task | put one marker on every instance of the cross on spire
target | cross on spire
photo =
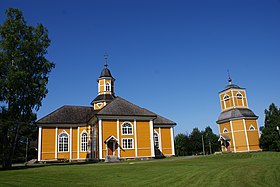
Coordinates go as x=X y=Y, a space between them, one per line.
x=229 y=79
x=106 y=60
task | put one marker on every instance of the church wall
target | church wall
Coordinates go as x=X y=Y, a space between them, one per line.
x=240 y=141
x=143 y=139
x=166 y=140
x=237 y=125
x=74 y=143
x=64 y=155
x=109 y=128
x=48 y=143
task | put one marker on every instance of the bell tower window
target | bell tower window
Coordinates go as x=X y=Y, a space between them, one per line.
x=239 y=95
x=226 y=97
x=108 y=87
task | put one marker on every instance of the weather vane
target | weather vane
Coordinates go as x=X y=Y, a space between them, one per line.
x=229 y=79
x=106 y=59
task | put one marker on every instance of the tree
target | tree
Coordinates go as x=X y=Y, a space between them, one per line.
x=196 y=141
x=24 y=72
x=182 y=144
x=211 y=141
x=270 y=138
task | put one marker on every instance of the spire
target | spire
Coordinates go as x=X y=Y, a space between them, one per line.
x=106 y=60
x=229 y=79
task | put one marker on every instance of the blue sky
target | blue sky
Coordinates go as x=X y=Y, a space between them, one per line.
x=170 y=57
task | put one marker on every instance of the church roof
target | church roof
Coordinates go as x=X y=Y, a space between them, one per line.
x=104 y=97
x=117 y=107
x=69 y=115
x=236 y=113
x=231 y=86
x=106 y=72
x=122 y=107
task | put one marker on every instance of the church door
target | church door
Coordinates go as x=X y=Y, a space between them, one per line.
x=111 y=147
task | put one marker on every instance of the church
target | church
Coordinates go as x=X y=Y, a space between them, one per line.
x=238 y=125
x=110 y=127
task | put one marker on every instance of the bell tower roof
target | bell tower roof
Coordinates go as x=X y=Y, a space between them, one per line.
x=106 y=72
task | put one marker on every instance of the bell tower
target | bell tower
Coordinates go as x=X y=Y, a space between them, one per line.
x=105 y=88
x=238 y=124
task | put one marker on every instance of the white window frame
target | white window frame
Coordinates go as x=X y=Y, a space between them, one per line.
x=225 y=130
x=125 y=143
x=63 y=142
x=84 y=144
x=156 y=142
x=127 y=128
x=239 y=95
x=99 y=105
x=226 y=97
x=252 y=128
x=107 y=87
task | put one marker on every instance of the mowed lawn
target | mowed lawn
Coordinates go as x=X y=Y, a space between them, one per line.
x=244 y=169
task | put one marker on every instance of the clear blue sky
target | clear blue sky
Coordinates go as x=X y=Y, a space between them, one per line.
x=170 y=57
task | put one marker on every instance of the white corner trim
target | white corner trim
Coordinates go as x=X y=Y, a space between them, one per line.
x=55 y=146
x=160 y=144
x=152 y=139
x=135 y=138
x=78 y=143
x=100 y=138
x=40 y=143
x=70 y=143
x=172 y=140
x=246 y=135
x=118 y=136
x=232 y=134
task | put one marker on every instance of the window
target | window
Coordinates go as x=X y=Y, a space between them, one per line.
x=108 y=87
x=99 y=105
x=84 y=142
x=239 y=95
x=127 y=143
x=63 y=142
x=156 y=139
x=252 y=128
x=226 y=97
x=225 y=130
x=126 y=128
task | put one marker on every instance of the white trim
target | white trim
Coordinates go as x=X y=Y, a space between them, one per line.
x=233 y=102
x=125 y=122
x=172 y=140
x=246 y=135
x=251 y=126
x=87 y=149
x=40 y=143
x=127 y=117
x=160 y=144
x=152 y=139
x=232 y=134
x=100 y=138
x=135 y=138
x=78 y=143
x=245 y=97
x=56 y=137
x=63 y=132
x=132 y=143
x=70 y=143
x=118 y=136
x=225 y=129
x=258 y=128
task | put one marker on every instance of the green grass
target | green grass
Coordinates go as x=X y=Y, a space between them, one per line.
x=245 y=169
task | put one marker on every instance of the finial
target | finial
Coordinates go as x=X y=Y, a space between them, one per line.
x=106 y=60
x=229 y=79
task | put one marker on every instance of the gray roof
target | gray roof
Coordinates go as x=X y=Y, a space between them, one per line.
x=163 y=121
x=68 y=115
x=236 y=113
x=231 y=86
x=122 y=107
x=106 y=72
x=118 y=107
x=103 y=97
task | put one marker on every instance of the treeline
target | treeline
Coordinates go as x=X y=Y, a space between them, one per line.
x=193 y=143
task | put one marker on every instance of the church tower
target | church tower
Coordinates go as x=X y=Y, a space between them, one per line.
x=105 y=88
x=238 y=124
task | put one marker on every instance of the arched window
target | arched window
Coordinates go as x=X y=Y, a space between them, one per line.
x=63 y=142
x=252 y=128
x=226 y=97
x=84 y=142
x=225 y=130
x=126 y=128
x=156 y=139
x=108 y=87
x=239 y=95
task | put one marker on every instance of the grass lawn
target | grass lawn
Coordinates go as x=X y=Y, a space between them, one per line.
x=243 y=169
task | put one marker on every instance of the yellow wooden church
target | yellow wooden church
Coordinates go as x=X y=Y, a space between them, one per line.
x=238 y=124
x=110 y=127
